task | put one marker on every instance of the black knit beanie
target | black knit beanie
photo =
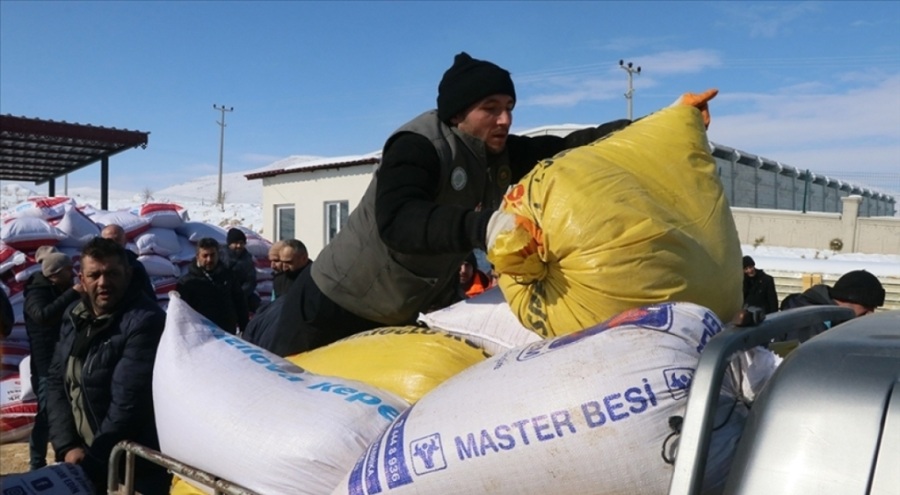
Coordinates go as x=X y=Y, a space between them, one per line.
x=467 y=81
x=235 y=235
x=470 y=259
x=748 y=261
x=860 y=287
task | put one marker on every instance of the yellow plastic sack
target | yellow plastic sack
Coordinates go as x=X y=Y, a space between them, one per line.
x=408 y=361
x=639 y=217
x=181 y=486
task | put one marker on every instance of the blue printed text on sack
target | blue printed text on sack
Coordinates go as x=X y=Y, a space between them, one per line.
x=591 y=414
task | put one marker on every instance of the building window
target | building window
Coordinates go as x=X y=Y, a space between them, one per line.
x=336 y=213
x=284 y=222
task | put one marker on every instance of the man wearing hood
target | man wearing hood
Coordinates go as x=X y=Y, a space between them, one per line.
x=858 y=290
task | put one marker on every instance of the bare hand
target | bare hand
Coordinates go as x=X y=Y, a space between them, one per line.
x=75 y=456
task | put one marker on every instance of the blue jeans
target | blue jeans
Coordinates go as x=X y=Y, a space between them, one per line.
x=40 y=433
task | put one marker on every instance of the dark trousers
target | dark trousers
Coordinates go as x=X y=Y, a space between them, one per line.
x=40 y=432
x=311 y=320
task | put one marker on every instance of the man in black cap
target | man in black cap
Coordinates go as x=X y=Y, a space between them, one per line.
x=759 y=288
x=442 y=176
x=858 y=290
x=240 y=261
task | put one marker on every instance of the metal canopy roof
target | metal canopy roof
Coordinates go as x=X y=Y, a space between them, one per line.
x=42 y=150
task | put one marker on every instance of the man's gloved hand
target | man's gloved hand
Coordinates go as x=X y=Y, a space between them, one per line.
x=699 y=101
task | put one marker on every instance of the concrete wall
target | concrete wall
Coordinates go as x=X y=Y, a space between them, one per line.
x=308 y=191
x=793 y=229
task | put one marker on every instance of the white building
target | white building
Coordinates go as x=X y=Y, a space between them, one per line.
x=310 y=199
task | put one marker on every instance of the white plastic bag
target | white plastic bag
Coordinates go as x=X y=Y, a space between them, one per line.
x=585 y=413
x=232 y=409
x=484 y=319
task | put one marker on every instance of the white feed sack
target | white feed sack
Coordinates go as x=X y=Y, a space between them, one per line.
x=485 y=319
x=241 y=413
x=586 y=413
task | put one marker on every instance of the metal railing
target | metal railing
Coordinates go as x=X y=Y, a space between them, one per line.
x=131 y=449
x=796 y=324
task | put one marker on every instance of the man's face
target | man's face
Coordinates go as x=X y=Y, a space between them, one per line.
x=750 y=271
x=238 y=247
x=275 y=259
x=104 y=281
x=465 y=273
x=291 y=261
x=858 y=309
x=488 y=120
x=207 y=258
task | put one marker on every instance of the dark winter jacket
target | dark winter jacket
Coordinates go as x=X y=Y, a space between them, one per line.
x=245 y=271
x=760 y=291
x=817 y=295
x=139 y=274
x=99 y=390
x=45 y=305
x=426 y=208
x=216 y=295
x=282 y=281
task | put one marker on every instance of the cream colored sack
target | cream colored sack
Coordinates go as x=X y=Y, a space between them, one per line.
x=637 y=218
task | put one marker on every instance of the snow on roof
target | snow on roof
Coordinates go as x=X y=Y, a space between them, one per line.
x=333 y=161
x=553 y=130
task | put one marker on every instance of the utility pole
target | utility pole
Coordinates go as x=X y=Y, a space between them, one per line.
x=629 y=95
x=222 y=109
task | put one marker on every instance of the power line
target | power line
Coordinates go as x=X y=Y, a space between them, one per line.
x=629 y=95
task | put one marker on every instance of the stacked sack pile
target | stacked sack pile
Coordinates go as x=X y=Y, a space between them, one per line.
x=160 y=233
x=568 y=388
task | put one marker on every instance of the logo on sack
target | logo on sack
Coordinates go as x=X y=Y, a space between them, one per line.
x=427 y=454
x=678 y=381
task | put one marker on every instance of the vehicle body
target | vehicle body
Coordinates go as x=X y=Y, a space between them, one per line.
x=826 y=423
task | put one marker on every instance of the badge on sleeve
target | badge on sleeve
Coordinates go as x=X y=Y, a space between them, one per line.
x=458 y=178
